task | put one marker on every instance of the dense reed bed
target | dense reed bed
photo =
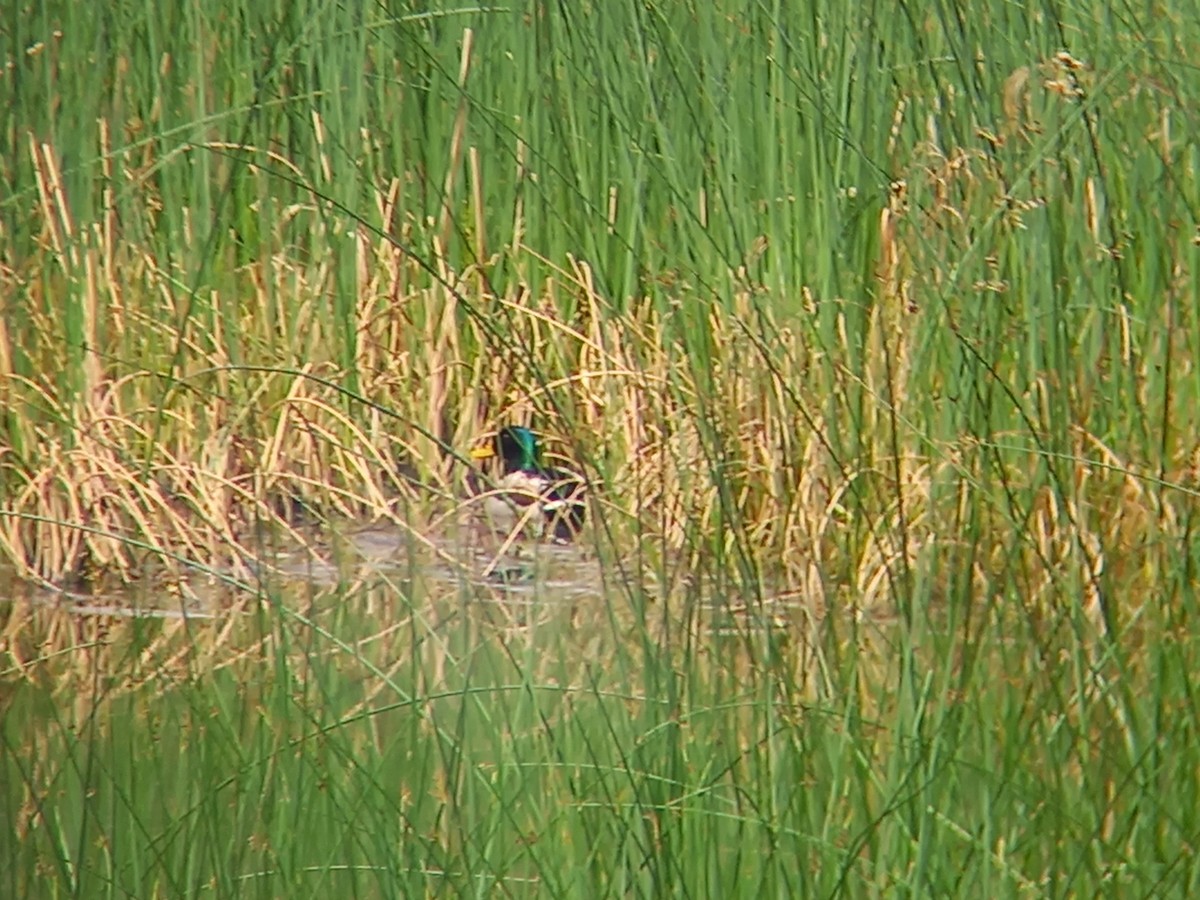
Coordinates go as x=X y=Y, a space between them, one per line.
x=892 y=314
x=829 y=324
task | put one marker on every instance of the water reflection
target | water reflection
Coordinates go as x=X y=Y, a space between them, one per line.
x=338 y=555
x=391 y=572
x=386 y=597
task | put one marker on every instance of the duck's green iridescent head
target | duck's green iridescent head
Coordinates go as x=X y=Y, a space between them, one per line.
x=517 y=446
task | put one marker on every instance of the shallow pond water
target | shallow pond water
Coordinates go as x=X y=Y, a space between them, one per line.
x=386 y=574
x=339 y=554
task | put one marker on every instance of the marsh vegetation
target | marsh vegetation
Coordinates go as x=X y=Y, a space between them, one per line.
x=873 y=334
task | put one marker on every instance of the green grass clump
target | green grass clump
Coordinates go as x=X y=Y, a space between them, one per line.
x=399 y=740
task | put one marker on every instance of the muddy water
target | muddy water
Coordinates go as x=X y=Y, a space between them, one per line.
x=387 y=594
x=343 y=554
x=456 y=562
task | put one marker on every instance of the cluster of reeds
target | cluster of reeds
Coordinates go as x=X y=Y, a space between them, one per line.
x=888 y=315
x=159 y=444
x=826 y=381
x=704 y=426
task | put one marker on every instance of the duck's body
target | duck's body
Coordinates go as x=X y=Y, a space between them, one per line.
x=529 y=495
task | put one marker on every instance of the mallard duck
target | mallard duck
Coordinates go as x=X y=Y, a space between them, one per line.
x=526 y=481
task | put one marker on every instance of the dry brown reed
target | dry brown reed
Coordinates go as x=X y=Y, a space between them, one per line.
x=144 y=446
x=143 y=459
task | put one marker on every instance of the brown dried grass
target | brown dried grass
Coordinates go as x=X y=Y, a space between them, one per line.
x=132 y=466
x=158 y=451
